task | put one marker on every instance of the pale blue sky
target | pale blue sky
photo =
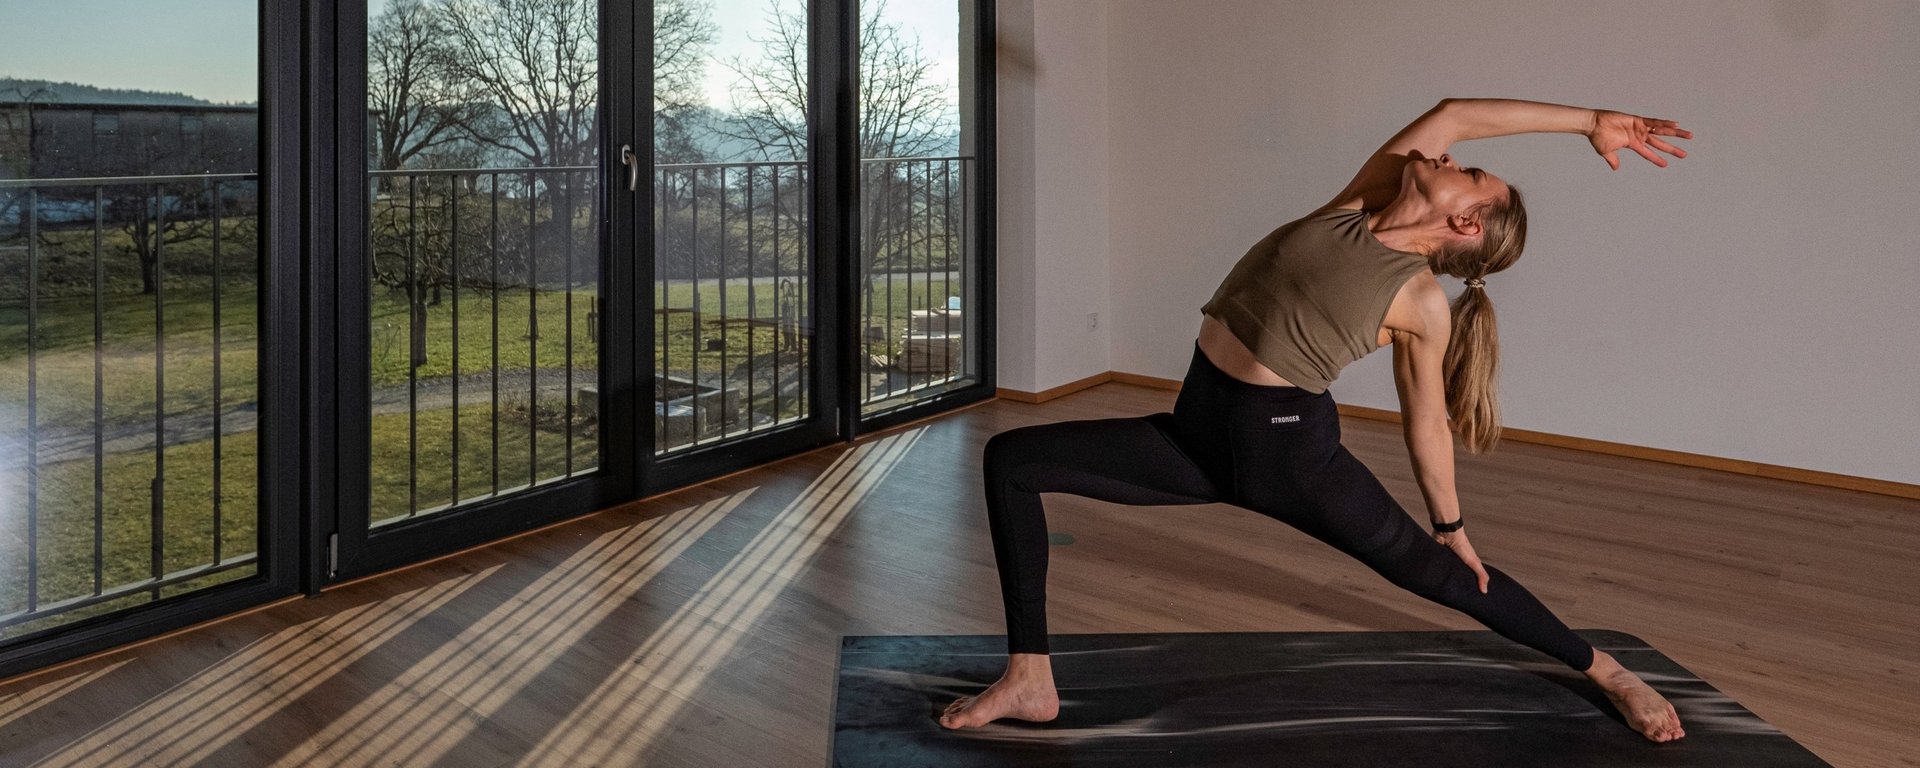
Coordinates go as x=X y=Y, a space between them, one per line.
x=936 y=22
x=204 y=48
x=207 y=48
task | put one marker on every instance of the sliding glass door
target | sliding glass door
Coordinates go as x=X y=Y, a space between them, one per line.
x=148 y=367
x=734 y=270
x=767 y=318
x=484 y=236
x=919 y=254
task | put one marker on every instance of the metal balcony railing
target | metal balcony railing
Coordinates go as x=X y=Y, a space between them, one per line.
x=723 y=230
x=497 y=238
x=78 y=414
x=916 y=218
x=733 y=322
x=474 y=394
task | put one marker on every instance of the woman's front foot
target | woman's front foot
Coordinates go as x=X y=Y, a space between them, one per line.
x=1025 y=692
x=1645 y=709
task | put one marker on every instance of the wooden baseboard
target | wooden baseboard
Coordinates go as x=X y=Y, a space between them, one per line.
x=1683 y=458
x=1062 y=390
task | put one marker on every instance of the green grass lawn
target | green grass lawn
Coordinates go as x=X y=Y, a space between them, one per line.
x=65 y=522
x=434 y=447
x=65 y=359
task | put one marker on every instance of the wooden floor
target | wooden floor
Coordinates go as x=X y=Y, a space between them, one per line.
x=701 y=628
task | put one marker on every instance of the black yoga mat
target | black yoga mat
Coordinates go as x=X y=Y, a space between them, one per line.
x=1445 y=698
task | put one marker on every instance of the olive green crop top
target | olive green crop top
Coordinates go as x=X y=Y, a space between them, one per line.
x=1310 y=296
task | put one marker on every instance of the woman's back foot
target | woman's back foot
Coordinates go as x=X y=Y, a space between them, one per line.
x=1025 y=692
x=1645 y=709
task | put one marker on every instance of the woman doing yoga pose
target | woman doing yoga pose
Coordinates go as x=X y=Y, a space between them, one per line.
x=1254 y=426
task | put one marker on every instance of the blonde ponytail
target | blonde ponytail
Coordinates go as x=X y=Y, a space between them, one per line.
x=1473 y=350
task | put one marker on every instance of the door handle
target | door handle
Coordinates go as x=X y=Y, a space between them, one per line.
x=632 y=162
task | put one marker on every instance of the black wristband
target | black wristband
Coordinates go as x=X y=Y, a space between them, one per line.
x=1449 y=527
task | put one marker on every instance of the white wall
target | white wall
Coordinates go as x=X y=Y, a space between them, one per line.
x=1752 y=301
x=1052 y=250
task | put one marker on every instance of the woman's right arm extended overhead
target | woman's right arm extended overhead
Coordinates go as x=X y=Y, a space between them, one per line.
x=1449 y=121
x=1454 y=120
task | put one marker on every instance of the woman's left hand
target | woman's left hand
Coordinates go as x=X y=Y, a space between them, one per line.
x=1612 y=131
x=1457 y=541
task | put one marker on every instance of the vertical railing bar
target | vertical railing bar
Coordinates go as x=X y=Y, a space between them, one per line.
x=533 y=341
x=946 y=264
x=725 y=422
x=693 y=263
x=414 y=337
x=753 y=306
x=157 y=493
x=99 y=383
x=907 y=234
x=882 y=187
x=925 y=274
x=33 y=399
x=886 y=241
x=661 y=302
x=867 y=300
x=566 y=248
x=927 y=283
x=967 y=310
x=806 y=271
x=494 y=290
x=453 y=223
x=779 y=313
x=218 y=346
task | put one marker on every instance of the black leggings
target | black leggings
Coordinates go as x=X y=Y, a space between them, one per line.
x=1274 y=450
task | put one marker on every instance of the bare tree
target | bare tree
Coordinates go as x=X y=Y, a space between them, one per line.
x=154 y=216
x=416 y=108
x=537 y=64
x=469 y=81
x=683 y=31
x=905 y=112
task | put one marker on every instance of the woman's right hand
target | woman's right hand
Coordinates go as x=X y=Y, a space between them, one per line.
x=1456 y=540
x=1612 y=131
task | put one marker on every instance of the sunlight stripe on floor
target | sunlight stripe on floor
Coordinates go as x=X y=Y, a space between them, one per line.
x=254 y=683
x=618 y=722
x=438 y=702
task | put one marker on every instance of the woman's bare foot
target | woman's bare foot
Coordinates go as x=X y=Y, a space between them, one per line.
x=1645 y=709
x=1025 y=692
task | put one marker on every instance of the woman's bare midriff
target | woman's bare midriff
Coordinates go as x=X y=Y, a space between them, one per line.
x=1233 y=357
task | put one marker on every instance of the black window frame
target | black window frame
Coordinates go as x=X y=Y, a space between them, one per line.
x=301 y=456
x=282 y=125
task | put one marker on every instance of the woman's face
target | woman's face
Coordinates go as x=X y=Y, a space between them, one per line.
x=1448 y=189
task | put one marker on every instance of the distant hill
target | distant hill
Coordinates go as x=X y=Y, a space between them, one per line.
x=15 y=90
x=707 y=128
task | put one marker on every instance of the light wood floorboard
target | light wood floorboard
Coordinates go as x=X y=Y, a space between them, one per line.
x=702 y=628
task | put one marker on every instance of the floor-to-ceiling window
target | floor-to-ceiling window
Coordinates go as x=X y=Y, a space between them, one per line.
x=480 y=393
x=130 y=269
x=733 y=264
x=483 y=249
x=918 y=247
x=149 y=319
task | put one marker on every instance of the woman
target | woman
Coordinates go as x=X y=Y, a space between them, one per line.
x=1254 y=425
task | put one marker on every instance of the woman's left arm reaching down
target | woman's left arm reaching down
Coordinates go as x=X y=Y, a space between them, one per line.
x=1420 y=378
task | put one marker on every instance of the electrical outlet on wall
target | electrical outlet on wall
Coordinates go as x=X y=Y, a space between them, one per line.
x=1093 y=320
